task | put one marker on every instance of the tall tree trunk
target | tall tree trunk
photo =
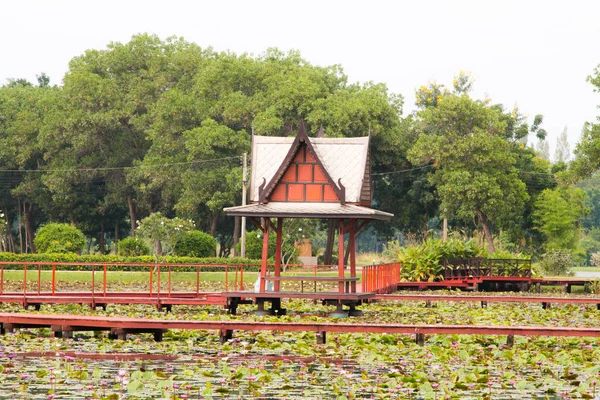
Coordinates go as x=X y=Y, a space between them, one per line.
x=347 y=255
x=101 y=246
x=9 y=235
x=236 y=235
x=29 y=225
x=485 y=224
x=132 y=213
x=328 y=254
x=20 y=228
x=157 y=248
x=116 y=237
x=213 y=224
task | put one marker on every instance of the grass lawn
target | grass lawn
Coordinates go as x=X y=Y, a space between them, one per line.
x=139 y=276
x=585 y=269
x=123 y=276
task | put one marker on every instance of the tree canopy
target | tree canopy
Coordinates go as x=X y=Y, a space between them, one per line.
x=158 y=127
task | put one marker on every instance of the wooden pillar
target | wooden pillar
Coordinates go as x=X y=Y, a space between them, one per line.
x=278 y=251
x=352 y=246
x=265 y=255
x=341 y=255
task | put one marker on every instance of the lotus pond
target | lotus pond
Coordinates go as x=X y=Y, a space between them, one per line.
x=290 y=365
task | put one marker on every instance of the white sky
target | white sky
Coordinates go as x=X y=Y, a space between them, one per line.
x=536 y=54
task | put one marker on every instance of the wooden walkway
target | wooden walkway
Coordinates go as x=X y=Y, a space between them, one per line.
x=546 y=301
x=229 y=299
x=64 y=325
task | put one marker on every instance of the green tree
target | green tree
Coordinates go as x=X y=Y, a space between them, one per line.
x=163 y=233
x=99 y=131
x=587 y=151
x=59 y=238
x=475 y=173
x=557 y=215
x=23 y=115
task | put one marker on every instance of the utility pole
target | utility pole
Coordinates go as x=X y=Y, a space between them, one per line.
x=445 y=228
x=244 y=182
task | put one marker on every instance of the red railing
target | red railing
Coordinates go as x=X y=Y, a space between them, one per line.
x=159 y=280
x=382 y=278
x=43 y=278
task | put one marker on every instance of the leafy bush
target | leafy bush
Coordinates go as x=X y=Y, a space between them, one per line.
x=59 y=238
x=196 y=244
x=595 y=259
x=133 y=246
x=164 y=233
x=391 y=250
x=557 y=262
x=254 y=244
x=590 y=245
x=425 y=262
x=506 y=254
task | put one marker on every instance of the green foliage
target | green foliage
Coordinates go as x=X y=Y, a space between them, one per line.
x=509 y=255
x=391 y=250
x=113 y=258
x=162 y=232
x=595 y=259
x=475 y=174
x=557 y=262
x=556 y=216
x=133 y=246
x=425 y=262
x=196 y=244
x=59 y=238
x=587 y=152
x=254 y=245
x=590 y=244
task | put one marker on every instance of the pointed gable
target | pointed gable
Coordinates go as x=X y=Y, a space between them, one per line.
x=304 y=181
x=310 y=170
x=301 y=177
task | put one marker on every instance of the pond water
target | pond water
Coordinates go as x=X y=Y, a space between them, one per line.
x=248 y=370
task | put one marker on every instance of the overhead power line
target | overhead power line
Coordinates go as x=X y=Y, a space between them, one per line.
x=193 y=162
x=401 y=170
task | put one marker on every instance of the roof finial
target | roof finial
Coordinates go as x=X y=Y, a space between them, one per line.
x=321 y=133
x=302 y=131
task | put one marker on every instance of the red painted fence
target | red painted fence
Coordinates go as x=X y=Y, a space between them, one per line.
x=382 y=278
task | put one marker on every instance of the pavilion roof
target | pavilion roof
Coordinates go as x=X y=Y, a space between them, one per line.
x=344 y=159
x=307 y=210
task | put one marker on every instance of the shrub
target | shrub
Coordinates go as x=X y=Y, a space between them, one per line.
x=425 y=262
x=557 y=262
x=196 y=244
x=254 y=244
x=59 y=238
x=595 y=259
x=133 y=246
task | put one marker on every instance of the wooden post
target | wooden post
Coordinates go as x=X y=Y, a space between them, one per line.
x=278 y=250
x=321 y=337
x=265 y=255
x=225 y=335
x=510 y=340
x=352 y=246
x=341 y=255
x=244 y=182
x=53 y=278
